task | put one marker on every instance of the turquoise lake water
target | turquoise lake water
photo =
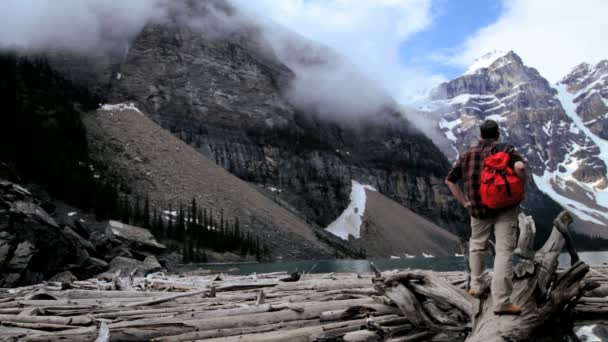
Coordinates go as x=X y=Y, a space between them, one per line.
x=361 y=266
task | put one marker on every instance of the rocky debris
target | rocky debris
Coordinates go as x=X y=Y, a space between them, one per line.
x=34 y=247
x=128 y=265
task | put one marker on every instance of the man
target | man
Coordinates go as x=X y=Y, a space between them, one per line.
x=468 y=168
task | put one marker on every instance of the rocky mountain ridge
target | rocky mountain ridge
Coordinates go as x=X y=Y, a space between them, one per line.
x=567 y=163
x=227 y=99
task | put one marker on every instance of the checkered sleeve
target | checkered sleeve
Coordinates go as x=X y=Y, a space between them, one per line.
x=455 y=173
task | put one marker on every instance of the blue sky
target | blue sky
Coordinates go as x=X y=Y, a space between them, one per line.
x=410 y=46
x=453 y=21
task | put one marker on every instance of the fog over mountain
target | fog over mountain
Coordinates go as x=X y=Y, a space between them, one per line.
x=324 y=81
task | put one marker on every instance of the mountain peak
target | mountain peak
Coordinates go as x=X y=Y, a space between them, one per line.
x=489 y=59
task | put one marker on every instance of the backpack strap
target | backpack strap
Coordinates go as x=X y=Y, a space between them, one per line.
x=501 y=147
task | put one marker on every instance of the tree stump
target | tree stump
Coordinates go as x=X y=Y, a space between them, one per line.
x=547 y=297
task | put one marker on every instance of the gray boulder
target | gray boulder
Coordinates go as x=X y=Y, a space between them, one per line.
x=135 y=238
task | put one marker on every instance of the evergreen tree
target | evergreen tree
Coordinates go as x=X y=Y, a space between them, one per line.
x=170 y=228
x=136 y=218
x=146 y=213
x=181 y=224
x=193 y=215
x=126 y=210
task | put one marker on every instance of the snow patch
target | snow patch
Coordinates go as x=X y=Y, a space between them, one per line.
x=120 y=107
x=72 y=213
x=544 y=184
x=349 y=222
x=485 y=61
x=587 y=332
x=496 y=117
x=118 y=76
x=449 y=126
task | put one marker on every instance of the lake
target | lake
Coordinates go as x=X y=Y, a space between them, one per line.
x=361 y=266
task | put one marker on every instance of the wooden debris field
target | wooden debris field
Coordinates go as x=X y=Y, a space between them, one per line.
x=323 y=307
x=398 y=305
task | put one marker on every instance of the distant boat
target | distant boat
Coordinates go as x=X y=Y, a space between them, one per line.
x=458 y=255
x=409 y=256
x=395 y=257
x=427 y=255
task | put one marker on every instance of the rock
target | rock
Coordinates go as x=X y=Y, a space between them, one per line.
x=133 y=237
x=127 y=265
x=65 y=277
x=152 y=265
x=118 y=251
x=5 y=245
x=22 y=256
x=92 y=267
x=33 y=210
x=100 y=240
x=82 y=229
x=33 y=247
x=77 y=239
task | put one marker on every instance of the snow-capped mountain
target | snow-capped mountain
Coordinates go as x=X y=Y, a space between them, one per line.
x=557 y=129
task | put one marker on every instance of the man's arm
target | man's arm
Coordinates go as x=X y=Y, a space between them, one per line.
x=520 y=170
x=455 y=175
x=457 y=192
x=518 y=165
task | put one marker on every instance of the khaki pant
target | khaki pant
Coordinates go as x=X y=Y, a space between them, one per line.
x=505 y=230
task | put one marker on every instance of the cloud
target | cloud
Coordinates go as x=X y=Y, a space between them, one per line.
x=360 y=78
x=551 y=35
x=367 y=33
x=77 y=25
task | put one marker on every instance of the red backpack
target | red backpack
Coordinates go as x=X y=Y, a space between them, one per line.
x=500 y=186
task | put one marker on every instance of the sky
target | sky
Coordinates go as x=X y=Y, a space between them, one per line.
x=409 y=46
x=406 y=46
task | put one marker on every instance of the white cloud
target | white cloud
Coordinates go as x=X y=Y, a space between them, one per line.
x=367 y=33
x=77 y=25
x=551 y=35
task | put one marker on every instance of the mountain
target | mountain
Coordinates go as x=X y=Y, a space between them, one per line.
x=229 y=98
x=226 y=117
x=567 y=164
x=152 y=161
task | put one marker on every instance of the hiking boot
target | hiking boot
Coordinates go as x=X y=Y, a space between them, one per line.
x=509 y=309
x=474 y=293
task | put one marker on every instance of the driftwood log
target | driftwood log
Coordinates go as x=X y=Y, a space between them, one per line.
x=548 y=297
x=402 y=305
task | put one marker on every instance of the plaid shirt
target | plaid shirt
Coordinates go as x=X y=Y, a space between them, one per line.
x=468 y=168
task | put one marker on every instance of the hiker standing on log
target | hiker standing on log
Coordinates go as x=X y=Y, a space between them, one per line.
x=493 y=175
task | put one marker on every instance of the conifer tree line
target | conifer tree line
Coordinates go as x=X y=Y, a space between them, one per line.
x=190 y=229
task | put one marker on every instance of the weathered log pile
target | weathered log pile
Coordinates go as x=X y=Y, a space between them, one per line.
x=404 y=305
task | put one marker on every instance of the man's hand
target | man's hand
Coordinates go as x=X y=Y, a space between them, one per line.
x=520 y=170
x=457 y=192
